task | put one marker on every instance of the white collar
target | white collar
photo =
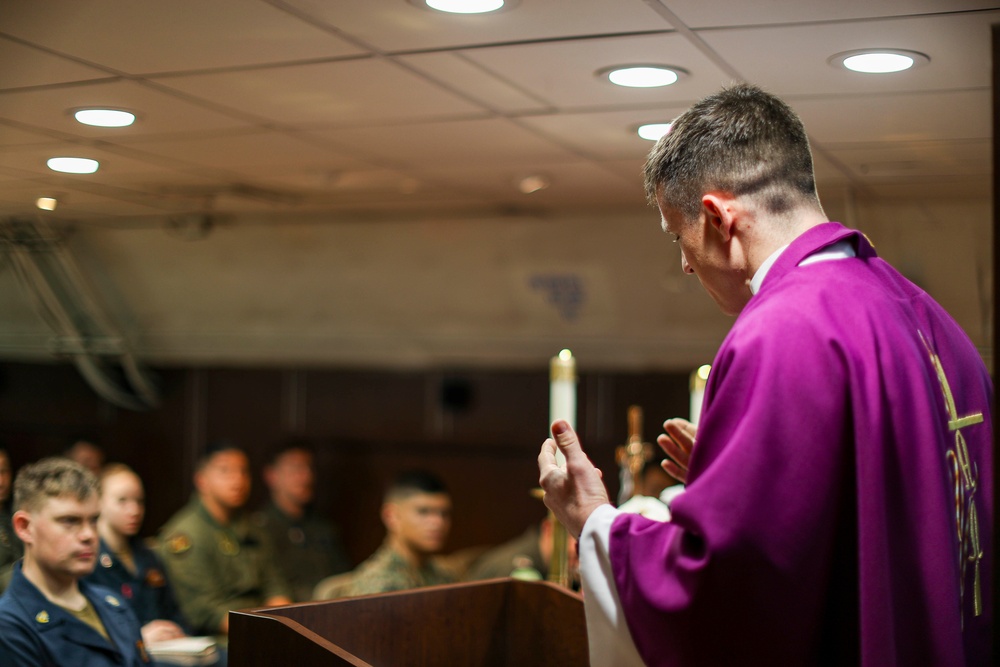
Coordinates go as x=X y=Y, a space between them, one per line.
x=839 y=250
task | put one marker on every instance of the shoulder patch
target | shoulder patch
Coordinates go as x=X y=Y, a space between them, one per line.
x=178 y=544
x=155 y=578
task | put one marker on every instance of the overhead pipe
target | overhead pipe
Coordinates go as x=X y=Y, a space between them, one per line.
x=64 y=300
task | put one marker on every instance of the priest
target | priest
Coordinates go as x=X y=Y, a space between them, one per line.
x=838 y=507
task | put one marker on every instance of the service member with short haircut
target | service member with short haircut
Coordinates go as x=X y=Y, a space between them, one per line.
x=416 y=512
x=216 y=558
x=307 y=546
x=47 y=615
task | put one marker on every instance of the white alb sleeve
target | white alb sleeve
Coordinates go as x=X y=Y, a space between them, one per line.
x=610 y=642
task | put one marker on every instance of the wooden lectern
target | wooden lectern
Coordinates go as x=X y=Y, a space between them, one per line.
x=490 y=624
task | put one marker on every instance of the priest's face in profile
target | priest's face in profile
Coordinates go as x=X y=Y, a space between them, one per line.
x=709 y=251
x=420 y=522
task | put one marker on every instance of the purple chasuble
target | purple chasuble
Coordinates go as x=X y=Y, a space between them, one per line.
x=839 y=500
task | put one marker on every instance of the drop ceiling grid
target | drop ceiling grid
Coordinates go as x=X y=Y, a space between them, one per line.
x=701 y=14
x=958 y=46
x=158 y=113
x=179 y=35
x=393 y=26
x=37 y=67
x=569 y=78
x=325 y=93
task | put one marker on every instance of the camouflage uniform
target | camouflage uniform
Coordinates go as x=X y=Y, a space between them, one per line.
x=387 y=571
x=306 y=550
x=216 y=568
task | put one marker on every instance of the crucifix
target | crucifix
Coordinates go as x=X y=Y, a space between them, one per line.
x=632 y=456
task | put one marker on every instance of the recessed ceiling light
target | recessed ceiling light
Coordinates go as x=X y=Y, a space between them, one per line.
x=642 y=76
x=104 y=117
x=533 y=183
x=879 y=61
x=464 y=6
x=73 y=165
x=653 y=131
x=46 y=203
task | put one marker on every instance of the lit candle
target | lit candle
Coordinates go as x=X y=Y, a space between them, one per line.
x=562 y=393
x=562 y=405
x=698 y=380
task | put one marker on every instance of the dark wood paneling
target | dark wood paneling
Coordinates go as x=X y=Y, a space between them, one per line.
x=365 y=405
x=481 y=434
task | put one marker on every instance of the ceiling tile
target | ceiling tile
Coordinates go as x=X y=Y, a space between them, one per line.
x=157 y=112
x=951 y=160
x=604 y=134
x=489 y=90
x=254 y=150
x=958 y=46
x=366 y=91
x=914 y=117
x=12 y=135
x=36 y=67
x=397 y=25
x=698 y=13
x=468 y=142
x=569 y=78
x=145 y=37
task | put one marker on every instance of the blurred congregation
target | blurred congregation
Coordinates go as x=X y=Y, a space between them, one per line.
x=253 y=487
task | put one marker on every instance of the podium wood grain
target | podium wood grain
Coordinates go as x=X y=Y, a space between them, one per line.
x=490 y=624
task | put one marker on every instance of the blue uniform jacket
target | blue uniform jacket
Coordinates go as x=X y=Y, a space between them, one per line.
x=148 y=591
x=35 y=632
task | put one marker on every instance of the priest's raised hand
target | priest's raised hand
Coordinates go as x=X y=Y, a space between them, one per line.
x=575 y=491
x=677 y=441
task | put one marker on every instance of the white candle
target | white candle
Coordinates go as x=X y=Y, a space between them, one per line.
x=562 y=393
x=698 y=380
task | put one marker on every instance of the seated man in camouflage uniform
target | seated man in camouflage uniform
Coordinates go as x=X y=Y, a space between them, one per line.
x=307 y=546
x=416 y=511
x=216 y=558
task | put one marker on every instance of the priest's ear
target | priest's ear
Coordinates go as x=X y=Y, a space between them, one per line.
x=720 y=211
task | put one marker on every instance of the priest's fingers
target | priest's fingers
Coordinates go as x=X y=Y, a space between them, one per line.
x=675 y=450
x=547 y=460
x=682 y=431
x=569 y=444
x=674 y=470
x=573 y=492
x=678 y=454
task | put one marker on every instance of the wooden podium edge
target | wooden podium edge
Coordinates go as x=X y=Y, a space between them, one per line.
x=298 y=628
